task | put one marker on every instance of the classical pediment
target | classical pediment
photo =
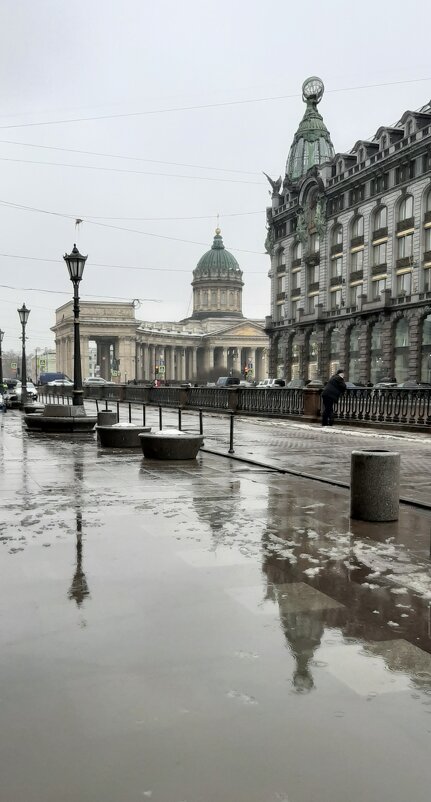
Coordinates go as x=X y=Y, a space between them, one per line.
x=244 y=329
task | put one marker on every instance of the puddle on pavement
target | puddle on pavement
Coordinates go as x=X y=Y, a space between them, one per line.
x=205 y=632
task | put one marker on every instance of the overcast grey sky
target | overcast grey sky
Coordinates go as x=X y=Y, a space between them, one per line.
x=63 y=60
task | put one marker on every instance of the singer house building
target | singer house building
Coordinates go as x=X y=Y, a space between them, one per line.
x=349 y=237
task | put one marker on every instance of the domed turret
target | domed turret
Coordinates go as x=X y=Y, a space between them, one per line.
x=312 y=142
x=217 y=283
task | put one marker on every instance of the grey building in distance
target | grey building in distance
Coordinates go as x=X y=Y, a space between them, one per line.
x=349 y=236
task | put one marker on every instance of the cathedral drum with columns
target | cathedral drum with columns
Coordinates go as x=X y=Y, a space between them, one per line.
x=349 y=237
x=216 y=340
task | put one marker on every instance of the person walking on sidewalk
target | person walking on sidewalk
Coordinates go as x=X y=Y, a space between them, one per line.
x=331 y=392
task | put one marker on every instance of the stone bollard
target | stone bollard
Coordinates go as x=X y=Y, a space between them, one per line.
x=375 y=485
x=106 y=418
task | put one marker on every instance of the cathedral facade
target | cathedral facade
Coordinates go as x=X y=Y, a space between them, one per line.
x=216 y=340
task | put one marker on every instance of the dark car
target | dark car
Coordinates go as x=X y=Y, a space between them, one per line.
x=227 y=381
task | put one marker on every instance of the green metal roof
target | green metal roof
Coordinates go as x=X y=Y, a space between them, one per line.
x=217 y=263
x=312 y=142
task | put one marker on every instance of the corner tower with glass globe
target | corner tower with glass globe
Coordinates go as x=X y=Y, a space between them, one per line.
x=349 y=239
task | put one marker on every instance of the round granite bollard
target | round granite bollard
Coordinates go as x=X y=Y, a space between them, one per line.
x=106 y=418
x=169 y=445
x=120 y=436
x=375 y=485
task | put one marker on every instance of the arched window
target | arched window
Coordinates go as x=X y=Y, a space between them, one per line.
x=358 y=227
x=376 y=353
x=428 y=201
x=334 y=351
x=380 y=219
x=426 y=350
x=281 y=258
x=405 y=209
x=312 y=356
x=402 y=342
x=384 y=142
x=354 y=354
x=361 y=155
x=409 y=128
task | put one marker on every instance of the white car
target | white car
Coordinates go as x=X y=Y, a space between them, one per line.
x=96 y=380
x=13 y=396
x=60 y=383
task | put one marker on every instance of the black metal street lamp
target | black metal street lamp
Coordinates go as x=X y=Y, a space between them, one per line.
x=1 y=359
x=23 y=316
x=75 y=264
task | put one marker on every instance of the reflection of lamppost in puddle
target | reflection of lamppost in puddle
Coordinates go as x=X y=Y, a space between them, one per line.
x=79 y=590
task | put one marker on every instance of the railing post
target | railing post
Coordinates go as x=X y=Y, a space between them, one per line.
x=106 y=406
x=118 y=411
x=179 y=418
x=160 y=419
x=201 y=422
x=231 y=448
x=130 y=412
x=144 y=410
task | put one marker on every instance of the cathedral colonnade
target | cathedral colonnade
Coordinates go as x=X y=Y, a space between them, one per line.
x=194 y=362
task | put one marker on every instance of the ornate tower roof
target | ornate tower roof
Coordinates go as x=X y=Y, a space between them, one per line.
x=312 y=142
x=217 y=283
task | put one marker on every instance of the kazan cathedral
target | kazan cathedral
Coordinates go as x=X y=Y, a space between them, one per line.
x=216 y=340
x=349 y=237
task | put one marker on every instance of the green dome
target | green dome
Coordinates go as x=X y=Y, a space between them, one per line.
x=217 y=263
x=312 y=142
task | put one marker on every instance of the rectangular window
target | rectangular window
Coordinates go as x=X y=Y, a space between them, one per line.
x=356 y=261
x=312 y=301
x=314 y=243
x=358 y=228
x=293 y=309
x=404 y=284
x=295 y=281
x=335 y=299
x=405 y=246
x=336 y=267
x=378 y=287
x=313 y=274
x=379 y=254
x=355 y=292
x=428 y=239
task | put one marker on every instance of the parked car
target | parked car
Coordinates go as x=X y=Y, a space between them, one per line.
x=12 y=398
x=272 y=383
x=60 y=383
x=227 y=381
x=95 y=380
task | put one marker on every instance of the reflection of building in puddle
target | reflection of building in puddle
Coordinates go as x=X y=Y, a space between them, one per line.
x=352 y=572
x=305 y=613
x=220 y=513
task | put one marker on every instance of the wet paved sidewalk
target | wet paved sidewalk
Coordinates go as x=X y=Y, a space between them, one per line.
x=206 y=632
x=325 y=452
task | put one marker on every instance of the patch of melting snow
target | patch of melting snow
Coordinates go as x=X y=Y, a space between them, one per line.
x=370 y=585
x=312 y=571
x=392 y=624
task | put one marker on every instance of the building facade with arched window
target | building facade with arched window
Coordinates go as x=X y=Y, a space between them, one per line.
x=355 y=232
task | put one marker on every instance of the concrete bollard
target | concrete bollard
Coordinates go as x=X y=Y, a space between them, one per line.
x=106 y=418
x=375 y=485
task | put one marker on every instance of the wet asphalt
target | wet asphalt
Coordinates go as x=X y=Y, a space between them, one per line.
x=211 y=631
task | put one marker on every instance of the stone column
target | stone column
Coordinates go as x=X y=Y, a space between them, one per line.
x=194 y=364
x=152 y=362
x=364 y=352
x=387 y=348
x=84 y=357
x=252 y=357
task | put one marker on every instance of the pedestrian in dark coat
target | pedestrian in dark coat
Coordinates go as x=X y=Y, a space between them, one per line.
x=331 y=392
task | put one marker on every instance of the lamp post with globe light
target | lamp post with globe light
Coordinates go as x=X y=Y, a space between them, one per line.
x=23 y=316
x=75 y=264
